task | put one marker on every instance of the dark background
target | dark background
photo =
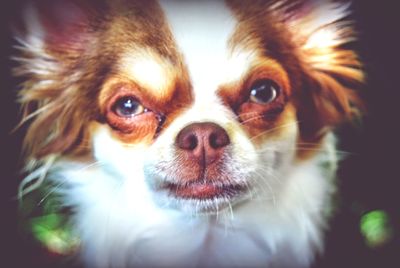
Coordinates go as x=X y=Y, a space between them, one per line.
x=368 y=178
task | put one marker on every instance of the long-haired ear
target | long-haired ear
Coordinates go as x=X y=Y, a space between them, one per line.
x=57 y=25
x=53 y=38
x=323 y=34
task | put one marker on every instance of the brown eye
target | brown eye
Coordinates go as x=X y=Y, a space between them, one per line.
x=264 y=91
x=127 y=107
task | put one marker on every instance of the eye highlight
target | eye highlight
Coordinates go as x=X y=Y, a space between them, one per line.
x=264 y=91
x=127 y=107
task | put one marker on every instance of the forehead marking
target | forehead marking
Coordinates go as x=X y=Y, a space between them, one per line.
x=148 y=70
x=202 y=30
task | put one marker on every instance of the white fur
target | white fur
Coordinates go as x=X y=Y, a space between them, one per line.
x=120 y=224
x=204 y=43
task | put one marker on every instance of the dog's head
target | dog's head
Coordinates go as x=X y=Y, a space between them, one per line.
x=203 y=103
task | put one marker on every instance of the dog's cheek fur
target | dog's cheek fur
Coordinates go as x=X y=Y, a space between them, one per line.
x=124 y=160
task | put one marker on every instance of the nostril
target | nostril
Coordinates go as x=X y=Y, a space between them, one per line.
x=218 y=139
x=187 y=140
x=190 y=142
x=212 y=140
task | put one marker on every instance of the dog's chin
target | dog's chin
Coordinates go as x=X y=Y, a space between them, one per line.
x=200 y=198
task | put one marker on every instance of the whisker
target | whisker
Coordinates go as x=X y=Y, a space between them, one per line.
x=230 y=210
x=273 y=129
x=321 y=149
x=251 y=118
x=340 y=152
x=269 y=187
x=250 y=190
x=237 y=117
x=58 y=186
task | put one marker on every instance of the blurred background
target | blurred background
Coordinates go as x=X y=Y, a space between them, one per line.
x=365 y=231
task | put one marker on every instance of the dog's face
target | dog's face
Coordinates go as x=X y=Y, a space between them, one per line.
x=199 y=104
x=208 y=124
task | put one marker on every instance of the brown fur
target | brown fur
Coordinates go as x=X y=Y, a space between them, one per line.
x=322 y=93
x=64 y=78
x=66 y=103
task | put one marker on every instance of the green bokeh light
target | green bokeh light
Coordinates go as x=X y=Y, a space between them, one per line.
x=375 y=228
x=51 y=231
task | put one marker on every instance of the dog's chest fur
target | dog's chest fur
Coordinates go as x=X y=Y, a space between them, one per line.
x=121 y=226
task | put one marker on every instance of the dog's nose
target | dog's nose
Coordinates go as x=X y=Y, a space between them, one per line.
x=203 y=141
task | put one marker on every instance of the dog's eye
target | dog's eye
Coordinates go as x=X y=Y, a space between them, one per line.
x=264 y=91
x=128 y=107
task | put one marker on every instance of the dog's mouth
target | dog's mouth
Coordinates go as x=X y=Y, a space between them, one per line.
x=200 y=196
x=203 y=190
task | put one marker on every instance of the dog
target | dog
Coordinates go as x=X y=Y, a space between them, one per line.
x=187 y=133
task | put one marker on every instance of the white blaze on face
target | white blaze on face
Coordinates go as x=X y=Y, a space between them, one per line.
x=202 y=30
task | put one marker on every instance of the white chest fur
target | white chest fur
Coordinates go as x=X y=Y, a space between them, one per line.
x=120 y=226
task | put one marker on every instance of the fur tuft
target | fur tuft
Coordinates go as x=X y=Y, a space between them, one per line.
x=58 y=77
x=322 y=32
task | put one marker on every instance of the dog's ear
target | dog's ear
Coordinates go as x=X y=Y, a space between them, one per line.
x=58 y=26
x=323 y=36
x=54 y=38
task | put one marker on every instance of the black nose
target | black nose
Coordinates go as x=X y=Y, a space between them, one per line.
x=203 y=142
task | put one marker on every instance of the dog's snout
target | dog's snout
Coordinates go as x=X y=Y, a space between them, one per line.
x=203 y=141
